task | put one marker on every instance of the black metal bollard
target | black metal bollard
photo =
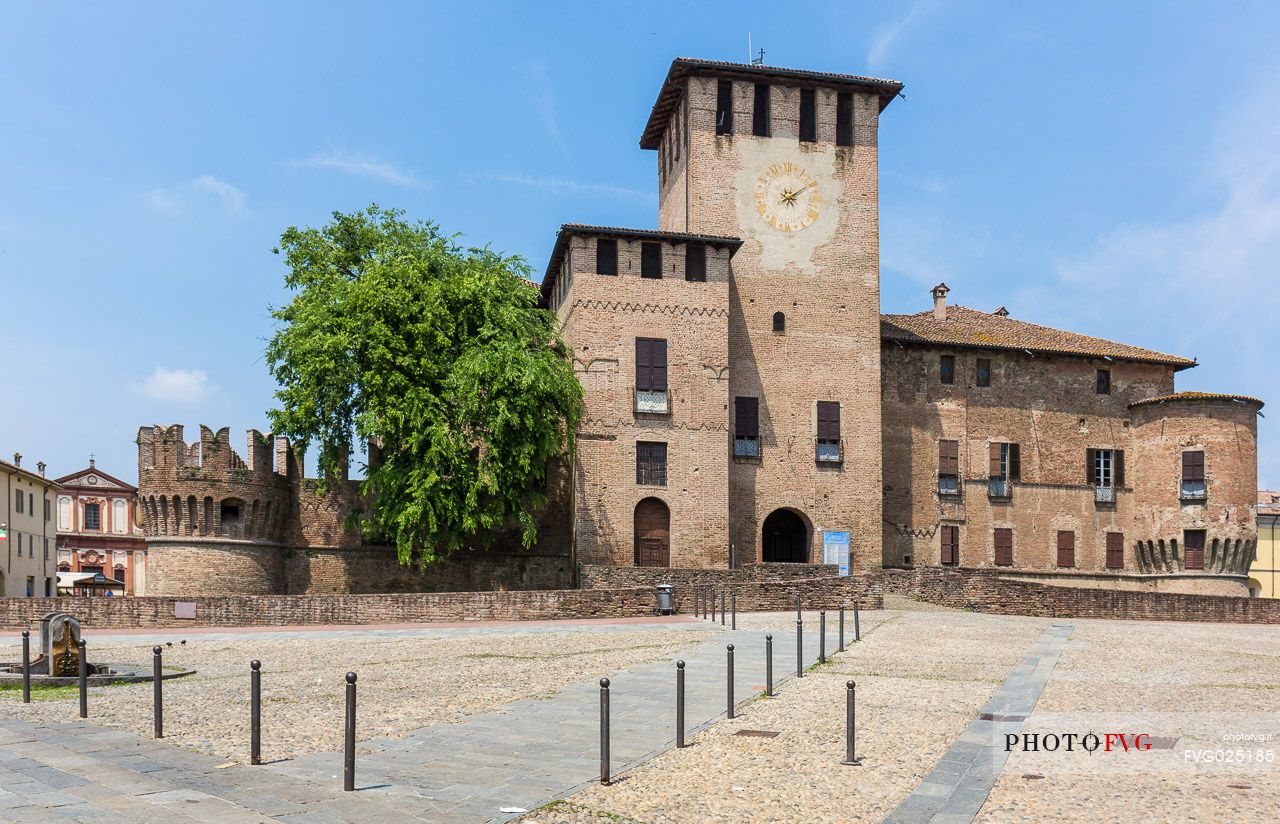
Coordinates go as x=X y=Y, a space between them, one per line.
x=857 y=629
x=713 y=606
x=841 y=628
x=26 y=667
x=768 y=665
x=850 y=757
x=255 y=712
x=157 y=704
x=724 y=606
x=604 y=730
x=679 y=703
x=822 y=636
x=799 y=645
x=734 y=620
x=349 y=745
x=84 y=681
x=697 y=603
x=729 y=714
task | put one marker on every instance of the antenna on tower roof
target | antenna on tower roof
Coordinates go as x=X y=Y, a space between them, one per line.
x=751 y=53
x=758 y=61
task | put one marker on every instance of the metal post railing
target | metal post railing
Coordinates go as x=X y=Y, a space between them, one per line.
x=255 y=712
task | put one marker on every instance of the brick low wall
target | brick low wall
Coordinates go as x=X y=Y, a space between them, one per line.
x=594 y=576
x=528 y=605
x=982 y=590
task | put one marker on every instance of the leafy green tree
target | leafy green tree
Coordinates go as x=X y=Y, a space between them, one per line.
x=440 y=354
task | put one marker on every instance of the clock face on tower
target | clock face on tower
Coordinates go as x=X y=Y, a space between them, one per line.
x=787 y=197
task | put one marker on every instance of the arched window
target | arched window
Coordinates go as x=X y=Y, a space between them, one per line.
x=779 y=322
x=652 y=533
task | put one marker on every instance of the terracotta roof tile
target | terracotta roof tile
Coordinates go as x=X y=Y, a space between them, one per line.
x=1268 y=502
x=1198 y=396
x=965 y=327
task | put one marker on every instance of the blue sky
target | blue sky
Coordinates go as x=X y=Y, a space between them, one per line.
x=1110 y=168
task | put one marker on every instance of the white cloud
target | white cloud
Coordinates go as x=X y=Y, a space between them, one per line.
x=364 y=165
x=232 y=198
x=887 y=36
x=176 y=200
x=562 y=186
x=176 y=385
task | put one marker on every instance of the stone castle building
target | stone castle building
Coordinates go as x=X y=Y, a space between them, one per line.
x=746 y=401
x=745 y=395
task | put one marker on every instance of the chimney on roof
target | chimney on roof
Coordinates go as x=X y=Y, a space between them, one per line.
x=40 y=466
x=1001 y=312
x=939 y=293
x=17 y=459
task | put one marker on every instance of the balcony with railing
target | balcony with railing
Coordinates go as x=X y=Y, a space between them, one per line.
x=828 y=452
x=949 y=486
x=998 y=488
x=1193 y=491
x=1104 y=494
x=746 y=447
x=651 y=402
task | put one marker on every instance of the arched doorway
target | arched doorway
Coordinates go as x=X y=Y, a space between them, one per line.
x=653 y=533
x=786 y=538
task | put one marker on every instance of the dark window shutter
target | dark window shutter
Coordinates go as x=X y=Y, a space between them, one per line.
x=1117 y=467
x=651 y=364
x=695 y=262
x=746 y=417
x=844 y=119
x=947 y=369
x=1193 y=548
x=994 y=461
x=1115 y=550
x=1091 y=467
x=948 y=457
x=1193 y=466
x=1066 y=549
x=828 y=420
x=984 y=372
x=650 y=260
x=1004 y=546
x=808 y=116
x=724 y=107
x=760 y=113
x=950 y=544
x=1015 y=462
x=606 y=256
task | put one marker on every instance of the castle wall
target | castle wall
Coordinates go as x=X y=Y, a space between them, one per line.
x=601 y=321
x=1049 y=406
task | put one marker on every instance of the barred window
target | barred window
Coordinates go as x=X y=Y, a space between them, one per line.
x=92 y=517
x=651 y=463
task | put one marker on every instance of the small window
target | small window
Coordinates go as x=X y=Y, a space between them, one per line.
x=650 y=260
x=118 y=574
x=1066 y=548
x=984 y=372
x=17 y=500
x=828 y=441
x=48 y=510
x=1193 y=488
x=1005 y=466
x=31 y=503
x=947 y=369
x=948 y=467
x=808 y=117
x=651 y=463
x=760 y=114
x=230 y=512
x=31 y=586
x=724 y=107
x=950 y=544
x=92 y=517
x=779 y=322
x=1193 y=548
x=1104 y=382
x=1105 y=472
x=695 y=262
x=1115 y=550
x=606 y=256
x=844 y=119
x=1004 y=546
x=746 y=427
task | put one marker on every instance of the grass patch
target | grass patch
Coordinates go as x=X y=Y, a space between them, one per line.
x=48 y=692
x=569 y=808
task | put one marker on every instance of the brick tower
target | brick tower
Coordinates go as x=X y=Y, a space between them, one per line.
x=786 y=160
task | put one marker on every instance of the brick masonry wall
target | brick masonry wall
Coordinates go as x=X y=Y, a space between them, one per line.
x=987 y=591
x=296 y=610
x=612 y=577
x=377 y=570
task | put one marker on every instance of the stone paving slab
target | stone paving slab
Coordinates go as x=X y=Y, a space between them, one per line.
x=958 y=786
